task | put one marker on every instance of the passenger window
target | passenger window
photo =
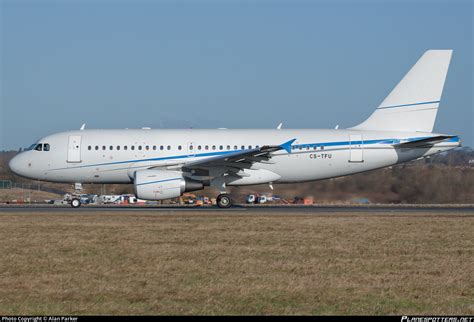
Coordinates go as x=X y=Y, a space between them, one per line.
x=103 y=147
x=315 y=147
x=125 y=147
x=190 y=147
x=179 y=147
x=243 y=147
x=213 y=147
x=96 y=147
x=250 y=147
x=139 y=147
x=322 y=147
x=235 y=147
x=89 y=148
x=228 y=147
x=207 y=147
x=168 y=147
x=147 y=148
x=161 y=147
x=132 y=147
x=154 y=147
x=118 y=147
x=257 y=146
x=39 y=147
x=111 y=148
x=199 y=147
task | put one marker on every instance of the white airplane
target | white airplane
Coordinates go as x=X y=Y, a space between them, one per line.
x=164 y=164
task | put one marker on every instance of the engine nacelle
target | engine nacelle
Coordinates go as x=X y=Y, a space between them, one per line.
x=163 y=184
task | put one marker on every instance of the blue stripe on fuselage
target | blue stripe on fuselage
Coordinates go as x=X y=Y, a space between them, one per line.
x=294 y=146
x=151 y=159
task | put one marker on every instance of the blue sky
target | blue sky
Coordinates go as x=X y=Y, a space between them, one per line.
x=213 y=64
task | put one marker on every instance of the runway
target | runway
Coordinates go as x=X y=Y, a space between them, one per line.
x=241 y=208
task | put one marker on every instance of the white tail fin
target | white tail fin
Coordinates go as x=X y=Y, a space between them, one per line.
x=413 y=103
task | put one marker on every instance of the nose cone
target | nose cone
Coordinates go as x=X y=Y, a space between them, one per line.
x=14 y=165
x=19 y=165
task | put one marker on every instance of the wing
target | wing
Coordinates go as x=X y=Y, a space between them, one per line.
x=239 y=159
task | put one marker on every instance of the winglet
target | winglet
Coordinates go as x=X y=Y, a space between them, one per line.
x=287 y=145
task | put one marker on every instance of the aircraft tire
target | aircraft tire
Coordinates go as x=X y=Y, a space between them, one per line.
x=224 y=201
x=75 y=203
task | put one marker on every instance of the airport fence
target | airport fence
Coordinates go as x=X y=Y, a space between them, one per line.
x=8 y=184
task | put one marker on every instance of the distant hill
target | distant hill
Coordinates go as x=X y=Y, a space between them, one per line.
x=458 y=157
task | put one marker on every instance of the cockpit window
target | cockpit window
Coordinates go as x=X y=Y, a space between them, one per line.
x=39 y=147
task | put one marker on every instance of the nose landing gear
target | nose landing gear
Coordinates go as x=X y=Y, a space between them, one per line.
x=75 y=198
x=75 y=203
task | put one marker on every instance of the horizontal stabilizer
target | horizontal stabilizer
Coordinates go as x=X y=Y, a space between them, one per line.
x=424 y=141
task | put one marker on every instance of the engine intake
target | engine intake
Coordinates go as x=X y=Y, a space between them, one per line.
x=163 y=184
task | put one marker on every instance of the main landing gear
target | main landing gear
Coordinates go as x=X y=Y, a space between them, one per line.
x=223 y=200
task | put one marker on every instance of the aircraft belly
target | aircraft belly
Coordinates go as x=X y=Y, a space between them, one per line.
x=311 y=165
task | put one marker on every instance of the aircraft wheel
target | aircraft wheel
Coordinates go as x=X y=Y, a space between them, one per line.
x=75 y=203
x=224 y=201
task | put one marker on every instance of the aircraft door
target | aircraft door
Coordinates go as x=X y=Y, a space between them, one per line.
x=74 y=149
x=356 y=149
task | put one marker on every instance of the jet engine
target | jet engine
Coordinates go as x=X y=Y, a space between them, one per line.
x=163 y=184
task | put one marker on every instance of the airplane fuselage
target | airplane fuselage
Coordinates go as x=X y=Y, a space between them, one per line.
x=113 y=156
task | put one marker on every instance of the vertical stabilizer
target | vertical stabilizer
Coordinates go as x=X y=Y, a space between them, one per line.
x=413 y=103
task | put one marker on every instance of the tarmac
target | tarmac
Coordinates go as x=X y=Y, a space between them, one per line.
x=240 y=208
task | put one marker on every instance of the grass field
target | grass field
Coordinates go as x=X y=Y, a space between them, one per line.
x=24 y=194
x=236 y=263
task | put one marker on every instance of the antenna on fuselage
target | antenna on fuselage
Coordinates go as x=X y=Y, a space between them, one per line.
x=83 y=127
x=279 y=126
